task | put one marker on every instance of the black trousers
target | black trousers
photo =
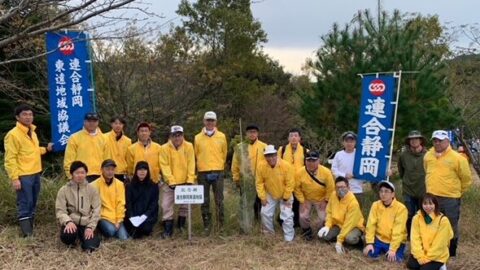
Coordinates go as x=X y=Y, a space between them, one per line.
x=71 y=238
x=412 y=263
x=145 y=229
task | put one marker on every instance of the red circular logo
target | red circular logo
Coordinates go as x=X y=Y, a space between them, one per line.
x=66 y=46
x=377 y=87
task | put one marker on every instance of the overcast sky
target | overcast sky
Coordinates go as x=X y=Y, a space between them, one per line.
x=294 y=27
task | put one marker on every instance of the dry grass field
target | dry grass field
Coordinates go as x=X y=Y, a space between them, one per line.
x=226 y=250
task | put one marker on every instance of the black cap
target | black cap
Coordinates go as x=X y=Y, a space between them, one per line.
x=142 y=165
x=312 y=155
x=91 y=116
x=251 y=127
x=109 y=163
x=349 y=135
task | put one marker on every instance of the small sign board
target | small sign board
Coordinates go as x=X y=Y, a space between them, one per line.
x=189 y=194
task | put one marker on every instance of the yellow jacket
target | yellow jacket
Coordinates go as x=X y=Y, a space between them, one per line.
x=296 y=158
x=307 y=189
x=448 y=175
x=117 y=150
x=429 y=242
x=22 y=153
x=255 y=155
x=178 y=165
x=210 y=152
x=344 y=213
x=137 y=152
x=90 y=149
x=388 y=224
x=278 y=181
x=113 y=199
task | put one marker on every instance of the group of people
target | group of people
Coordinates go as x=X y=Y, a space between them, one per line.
x=116 y=186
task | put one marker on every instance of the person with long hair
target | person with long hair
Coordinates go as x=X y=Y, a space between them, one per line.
x=142 y=202
x=430 y=237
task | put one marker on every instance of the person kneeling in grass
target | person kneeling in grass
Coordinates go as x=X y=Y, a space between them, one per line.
x=112 y=195
x=78 y=209
x=344 y=217
x=430 y=237
x=386 y=226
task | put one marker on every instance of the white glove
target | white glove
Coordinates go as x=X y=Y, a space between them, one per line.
x=339 y=248
x=323 y=232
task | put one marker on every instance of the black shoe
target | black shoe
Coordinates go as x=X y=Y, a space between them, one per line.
x=307 y=234
x=26 y=227
x=167 y=229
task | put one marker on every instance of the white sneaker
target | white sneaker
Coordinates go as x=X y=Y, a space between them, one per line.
x=444 y=267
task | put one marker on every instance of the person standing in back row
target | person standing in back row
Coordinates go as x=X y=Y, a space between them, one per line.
x=87 y=145
x=117 y=146
x=294 y=153
x=211 y=154
x=343 y=162
x=448 y=177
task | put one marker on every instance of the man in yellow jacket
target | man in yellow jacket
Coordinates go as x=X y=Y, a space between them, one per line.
x=386 y=226
x=87 y=145
x=275 y=183
x=241 y=168
x=177 y=161
x=144 y=150
x=344 y=217
x=294 y=153
x=117 y=146
x=313 y=187
x=112 y=195
x=448 y=177
x=211 y=155
x=23 y=165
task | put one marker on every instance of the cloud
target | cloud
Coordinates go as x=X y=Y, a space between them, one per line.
x=292 y=59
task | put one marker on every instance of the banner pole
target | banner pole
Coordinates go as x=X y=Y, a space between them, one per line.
x=399 y=80
x=92 y=86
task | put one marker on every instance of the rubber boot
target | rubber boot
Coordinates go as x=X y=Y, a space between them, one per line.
x=26 y=227
x=167 y=229
x=181 y=223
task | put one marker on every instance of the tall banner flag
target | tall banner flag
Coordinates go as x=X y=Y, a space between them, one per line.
x=375 y=126
x=70 y=80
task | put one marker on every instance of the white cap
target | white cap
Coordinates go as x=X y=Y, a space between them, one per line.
x=210 y=115
x=440 y=134
x=175 y=129
x=270 y=149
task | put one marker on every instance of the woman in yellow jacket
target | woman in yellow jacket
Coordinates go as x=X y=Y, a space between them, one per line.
x=430 y=237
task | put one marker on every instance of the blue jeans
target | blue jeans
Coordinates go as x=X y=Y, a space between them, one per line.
x=380 y=248
x=108 y=229
x=27 y=196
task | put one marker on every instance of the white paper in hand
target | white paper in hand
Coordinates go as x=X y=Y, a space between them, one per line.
x=136 y=221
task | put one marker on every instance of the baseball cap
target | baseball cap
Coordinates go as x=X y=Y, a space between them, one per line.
x=108 y=163
x=91 y=116
x=387 y=184
x=176 y=129
x=210 y=116
x=349 y=135
x=252 y=127
x=270 y=149
x=440 y=134
x=312 y=155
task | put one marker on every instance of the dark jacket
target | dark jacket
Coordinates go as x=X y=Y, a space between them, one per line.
x=412 y=172
x=142 y=199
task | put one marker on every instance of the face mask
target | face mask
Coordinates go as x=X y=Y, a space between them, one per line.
x=341 y=193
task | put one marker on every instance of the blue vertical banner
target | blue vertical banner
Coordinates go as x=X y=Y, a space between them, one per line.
x=375 y=128
x=70 y=80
